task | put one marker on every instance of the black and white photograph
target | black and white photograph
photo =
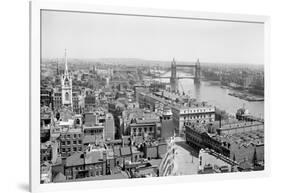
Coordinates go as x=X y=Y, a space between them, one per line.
x=122 y=96
x=126 y=96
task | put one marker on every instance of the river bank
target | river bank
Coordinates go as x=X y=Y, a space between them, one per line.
x=216 y=94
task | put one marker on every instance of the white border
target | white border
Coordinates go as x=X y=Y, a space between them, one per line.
x=36 y=6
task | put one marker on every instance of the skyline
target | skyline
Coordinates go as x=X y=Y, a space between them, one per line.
x=150 y=38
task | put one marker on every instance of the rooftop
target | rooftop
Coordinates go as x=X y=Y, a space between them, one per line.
x=59 y=178
x=93 y=157
x=89 y=139
x=243 y=139
x=219 y=156
x=75 y=159
x=125 y=151
x=241 y=124
x=120 y=175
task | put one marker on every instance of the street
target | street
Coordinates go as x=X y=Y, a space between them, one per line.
x=186 y=158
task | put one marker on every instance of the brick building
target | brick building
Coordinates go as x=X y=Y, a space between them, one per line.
x=71 y=141
x=244 y=146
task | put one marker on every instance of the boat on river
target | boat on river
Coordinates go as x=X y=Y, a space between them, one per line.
x=247 y=97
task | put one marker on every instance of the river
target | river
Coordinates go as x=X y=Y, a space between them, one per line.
x=214 y=94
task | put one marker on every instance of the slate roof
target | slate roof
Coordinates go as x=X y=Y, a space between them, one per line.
x=75 y=160
x=120 y=175
x=59 y=178
x=125 y=151
x=89 y=139
x=93 y=157
x=116 y=152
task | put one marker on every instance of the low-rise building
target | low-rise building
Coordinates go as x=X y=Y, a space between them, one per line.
x=94 y=126
x=49 y=151
x=193 y=112
x=46 y=98
x=145 y=128
x=154 y=150
x=90 y=102
x=182 y=108
x=240 y=127
x=45 y=123
x=82 y=165
x=71 y=141
x=140 y=122
x=96 y=131
x=212 y=162
x=246 y=148
x=45 y=173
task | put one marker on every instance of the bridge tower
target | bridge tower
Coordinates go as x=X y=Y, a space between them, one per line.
x=173 y=79
x=197 y=72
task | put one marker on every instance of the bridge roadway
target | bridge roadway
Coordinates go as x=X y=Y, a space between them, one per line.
x=183 y=66
x=160 y=75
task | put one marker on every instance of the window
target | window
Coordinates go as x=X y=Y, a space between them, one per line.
x=74 y=148
x=63 y=143
x=63 y=150
x=68 y=142
x=80 y=142
x=67 y=96
x=74 y=142
x=74 y=136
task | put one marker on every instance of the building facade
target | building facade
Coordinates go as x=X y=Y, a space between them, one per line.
x=71 y=142
x=212 y=162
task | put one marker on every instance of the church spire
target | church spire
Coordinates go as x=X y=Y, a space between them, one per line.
x=65 y=58
x=66 y=85
x=58 y=72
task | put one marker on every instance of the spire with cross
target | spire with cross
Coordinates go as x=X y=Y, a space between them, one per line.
x=66 y=67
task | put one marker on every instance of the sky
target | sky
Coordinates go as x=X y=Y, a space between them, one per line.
x=89 y=35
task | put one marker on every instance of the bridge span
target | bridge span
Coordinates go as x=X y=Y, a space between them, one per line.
x=174 y=77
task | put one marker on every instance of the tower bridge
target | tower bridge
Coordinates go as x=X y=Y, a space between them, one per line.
x=174 y=76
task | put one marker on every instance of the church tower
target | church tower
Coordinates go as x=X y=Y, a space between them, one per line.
x=66 y=86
